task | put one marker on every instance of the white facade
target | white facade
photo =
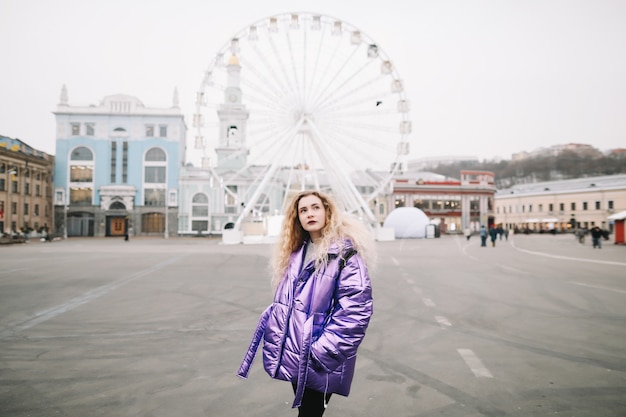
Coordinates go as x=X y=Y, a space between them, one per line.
x=210 y=200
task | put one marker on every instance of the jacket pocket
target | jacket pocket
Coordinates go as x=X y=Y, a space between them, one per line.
x=319 y=322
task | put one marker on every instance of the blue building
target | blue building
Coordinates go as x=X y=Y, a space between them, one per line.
x=117 y=167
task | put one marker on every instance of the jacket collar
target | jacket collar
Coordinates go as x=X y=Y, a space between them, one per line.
x=332 y=250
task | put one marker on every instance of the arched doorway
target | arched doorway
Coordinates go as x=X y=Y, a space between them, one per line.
x=117 y=220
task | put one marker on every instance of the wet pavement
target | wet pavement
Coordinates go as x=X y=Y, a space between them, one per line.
x=534 y=326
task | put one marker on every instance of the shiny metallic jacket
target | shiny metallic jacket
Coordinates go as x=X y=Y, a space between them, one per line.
x=312 y=330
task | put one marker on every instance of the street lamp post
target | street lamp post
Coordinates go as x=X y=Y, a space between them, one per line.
x=10 y=205
x=165 y=232
x=65 y=208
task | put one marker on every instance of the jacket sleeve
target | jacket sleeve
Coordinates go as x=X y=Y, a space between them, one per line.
x=349 y=319
x=244 y=369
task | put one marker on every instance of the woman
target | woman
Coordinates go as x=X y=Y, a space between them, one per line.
x=322 y=305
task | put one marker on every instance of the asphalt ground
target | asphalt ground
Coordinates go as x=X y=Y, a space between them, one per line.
x=535 y=326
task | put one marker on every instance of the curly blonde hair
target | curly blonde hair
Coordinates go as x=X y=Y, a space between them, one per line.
x=339 y=227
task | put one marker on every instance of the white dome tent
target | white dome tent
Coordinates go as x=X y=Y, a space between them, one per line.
x=407 y=222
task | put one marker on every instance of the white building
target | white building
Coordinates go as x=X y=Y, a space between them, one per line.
x=214 y=199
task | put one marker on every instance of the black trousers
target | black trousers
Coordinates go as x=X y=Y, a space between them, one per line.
x=312 y=403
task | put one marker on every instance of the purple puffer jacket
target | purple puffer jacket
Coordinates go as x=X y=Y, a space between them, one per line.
x=317 y=321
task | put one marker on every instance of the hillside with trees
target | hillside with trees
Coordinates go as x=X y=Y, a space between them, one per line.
x=565 y=165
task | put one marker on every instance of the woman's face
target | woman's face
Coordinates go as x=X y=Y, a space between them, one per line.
x=312 y=215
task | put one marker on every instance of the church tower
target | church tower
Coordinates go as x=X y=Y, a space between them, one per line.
x=231 y=149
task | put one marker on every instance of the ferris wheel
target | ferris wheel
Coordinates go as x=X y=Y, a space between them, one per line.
x=314 y=103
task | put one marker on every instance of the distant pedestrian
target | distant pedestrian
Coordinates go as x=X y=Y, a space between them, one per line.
x=506 y=233
x=468 y=233
x=483 y=236
x=596 y=237
x=493 y=233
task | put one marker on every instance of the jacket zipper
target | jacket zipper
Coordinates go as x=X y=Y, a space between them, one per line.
x=287 y=322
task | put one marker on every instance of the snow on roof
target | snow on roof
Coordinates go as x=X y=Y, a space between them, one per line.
x=562 y=186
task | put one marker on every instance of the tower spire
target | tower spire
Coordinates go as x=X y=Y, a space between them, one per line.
x=231 y=149
x=64 y=99
x=175 y=102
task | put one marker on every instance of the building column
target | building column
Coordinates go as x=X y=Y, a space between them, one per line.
x=484 y=210
x=465 y=211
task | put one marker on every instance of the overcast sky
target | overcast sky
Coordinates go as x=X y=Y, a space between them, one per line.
x=485 y=78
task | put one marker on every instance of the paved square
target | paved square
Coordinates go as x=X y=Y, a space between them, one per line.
x=155 y=327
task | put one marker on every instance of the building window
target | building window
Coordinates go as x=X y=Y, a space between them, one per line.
x=451 y=203
x=200 y=209
x=81 y=154
x=75 y=129
x=155 y=177
x=81 y=173
x=124 y=162
x=113 y=161
x=598 y=206
x=26 y=209
x=149 y=131
x=154 y=197
x=562 y=206
x=154 y=174
x=155 y=154
x=199 y=225
x=200 y=205
x=163 y=131
x=530 y=208
x=36 y=209
x=585 y=205
x=37 y=190
x=610 y=206
x=80 y=196
x=474 y=204
x=230 y=200
x=89 y=129
x=59 y=198
x=550 y=207
x=540 y=208
x=153 y=223
x=2 y=184
x=26 y=188
x=81 y=168
x=573 y=206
